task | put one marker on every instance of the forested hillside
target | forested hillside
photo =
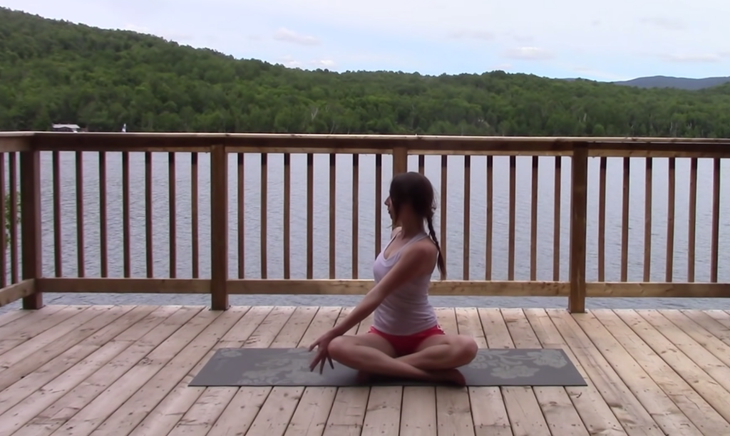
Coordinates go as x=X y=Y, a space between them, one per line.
x=52 y=71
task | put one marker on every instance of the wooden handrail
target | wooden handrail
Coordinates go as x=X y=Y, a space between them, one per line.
x=399 y=148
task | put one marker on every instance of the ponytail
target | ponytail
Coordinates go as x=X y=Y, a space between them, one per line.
x=432 y=233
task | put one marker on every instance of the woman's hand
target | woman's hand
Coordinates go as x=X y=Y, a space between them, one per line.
x=322 y=345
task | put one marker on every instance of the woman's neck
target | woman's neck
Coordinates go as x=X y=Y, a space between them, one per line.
x=410 y=229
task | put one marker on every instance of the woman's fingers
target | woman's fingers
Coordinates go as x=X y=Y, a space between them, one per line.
x=320 y=358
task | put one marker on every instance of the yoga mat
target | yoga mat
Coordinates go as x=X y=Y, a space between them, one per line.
x=290 y=367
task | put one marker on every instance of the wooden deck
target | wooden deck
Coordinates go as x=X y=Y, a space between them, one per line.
x=111 y=370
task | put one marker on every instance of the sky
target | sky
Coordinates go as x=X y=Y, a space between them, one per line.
x=594 y=39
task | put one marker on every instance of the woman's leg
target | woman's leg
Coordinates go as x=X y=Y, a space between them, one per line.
x=440 y=352
x=373 y=354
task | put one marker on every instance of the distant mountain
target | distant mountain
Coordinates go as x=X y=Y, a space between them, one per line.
x=675 y=82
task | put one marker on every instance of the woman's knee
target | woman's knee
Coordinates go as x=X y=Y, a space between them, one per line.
x=466 y=348
x=338 y=347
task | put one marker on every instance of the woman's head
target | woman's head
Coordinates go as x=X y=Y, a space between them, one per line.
x=411 y=200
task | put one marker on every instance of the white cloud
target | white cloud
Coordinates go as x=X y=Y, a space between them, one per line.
x=632 y=38
x=693 y=58
x=522 y=39
x=472 y=34
x=663 y=23
x=527 y=54
x=291 y=62
x=502 y=67
x=286 y=35
x=324 y=63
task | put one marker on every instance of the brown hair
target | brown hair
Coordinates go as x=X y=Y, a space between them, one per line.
x=416 y=190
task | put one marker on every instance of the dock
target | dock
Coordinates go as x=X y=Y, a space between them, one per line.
x=116 y=370
x=124 y=370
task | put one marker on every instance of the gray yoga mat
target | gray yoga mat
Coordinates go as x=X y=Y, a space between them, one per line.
x=290 y=367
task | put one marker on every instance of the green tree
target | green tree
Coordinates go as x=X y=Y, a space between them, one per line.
x=59 y=72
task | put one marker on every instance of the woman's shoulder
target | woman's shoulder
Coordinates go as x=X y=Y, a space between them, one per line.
x=424 y=248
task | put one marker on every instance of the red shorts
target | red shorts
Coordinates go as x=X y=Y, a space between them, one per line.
x=409 y=343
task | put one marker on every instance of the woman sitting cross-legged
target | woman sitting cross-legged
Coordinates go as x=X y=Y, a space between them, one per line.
x=405 y=340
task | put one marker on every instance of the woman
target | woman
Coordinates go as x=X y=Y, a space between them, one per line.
x=405 y=340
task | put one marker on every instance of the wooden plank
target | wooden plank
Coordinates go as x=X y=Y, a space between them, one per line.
x=383 y=411
x=635 y=418
x=17 y=291
x=110 y=411
x=19 y=329
x=453 y=413
x=522 y=406
x=578 y=211
x=246 y=402
x=713 y=358
x=113 y=285
x=273 y=418
x=560 y=414
x=169 y=412
x=487 y=406
x=30 y=225
x=9 y=144
x=60 y=399
x=349 y=408
x=665 y=412
x=418 y=412
x=141 y=401
x=689 y=387
x=36 y=322
x=384 y=404
x=310 y=416
x=415 y=144
x=704 y=338
x=348 y=412
x=96 y=382
x=716 y=322
x=598 y=416
x=219 y=227
x=61 y=333
x=45 y=367
x=721 y=316
x=35 y=360
x=362 y=286
x=229 y=409
x=13 y=315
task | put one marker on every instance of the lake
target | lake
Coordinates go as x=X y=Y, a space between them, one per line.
x=366 y=217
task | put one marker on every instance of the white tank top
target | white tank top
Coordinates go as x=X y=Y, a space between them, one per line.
x=406 y=310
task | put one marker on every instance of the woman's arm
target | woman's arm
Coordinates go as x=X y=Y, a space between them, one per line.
x=410 y=265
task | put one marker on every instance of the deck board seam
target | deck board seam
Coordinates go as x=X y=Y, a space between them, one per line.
x=680 y=351
x=164 y=397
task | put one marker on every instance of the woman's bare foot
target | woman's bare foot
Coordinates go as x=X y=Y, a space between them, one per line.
x=363 y=377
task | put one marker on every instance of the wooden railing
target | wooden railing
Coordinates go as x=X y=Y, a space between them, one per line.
x=85 y=187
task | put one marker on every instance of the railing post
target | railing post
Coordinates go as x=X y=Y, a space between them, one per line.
x=219 y=227
x=30 y=219
x=400 y=159
x=578 y=212
x=400 y=164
